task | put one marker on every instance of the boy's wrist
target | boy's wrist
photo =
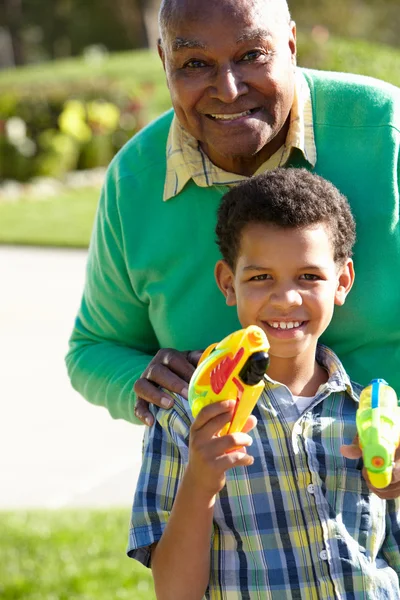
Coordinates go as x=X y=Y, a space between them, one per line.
x=201 y=495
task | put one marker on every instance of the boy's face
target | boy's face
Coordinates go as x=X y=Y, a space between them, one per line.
x=287 y=282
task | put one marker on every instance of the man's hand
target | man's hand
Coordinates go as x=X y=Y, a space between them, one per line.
x=169 y=369
x=211 y=455
x=353 y=451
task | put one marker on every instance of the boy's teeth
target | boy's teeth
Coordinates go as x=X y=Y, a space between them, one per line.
x=285 y=324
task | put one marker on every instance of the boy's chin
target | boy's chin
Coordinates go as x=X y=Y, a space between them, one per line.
x=288 y=352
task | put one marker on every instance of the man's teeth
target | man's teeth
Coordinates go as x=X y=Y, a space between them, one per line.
x=232 y=117
x=285 y=324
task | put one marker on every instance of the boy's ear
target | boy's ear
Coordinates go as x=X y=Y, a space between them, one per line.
x=225 y=280
x=345 y=282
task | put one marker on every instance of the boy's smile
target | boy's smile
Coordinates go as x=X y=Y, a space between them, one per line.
x=286 y=281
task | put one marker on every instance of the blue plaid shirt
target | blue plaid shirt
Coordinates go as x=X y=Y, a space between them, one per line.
x=300 y=522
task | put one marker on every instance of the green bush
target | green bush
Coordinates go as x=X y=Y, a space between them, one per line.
x=55 y=131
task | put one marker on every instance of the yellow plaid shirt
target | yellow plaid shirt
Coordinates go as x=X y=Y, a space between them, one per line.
x=186 y=160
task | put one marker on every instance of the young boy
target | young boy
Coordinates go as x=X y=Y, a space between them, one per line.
x=291 y=518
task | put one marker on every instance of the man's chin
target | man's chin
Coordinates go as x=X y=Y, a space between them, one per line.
x=239 y=156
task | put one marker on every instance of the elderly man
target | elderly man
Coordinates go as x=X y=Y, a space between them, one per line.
x=240 y=107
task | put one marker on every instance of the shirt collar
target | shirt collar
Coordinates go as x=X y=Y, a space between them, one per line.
x=186 y=160
x=338 y=379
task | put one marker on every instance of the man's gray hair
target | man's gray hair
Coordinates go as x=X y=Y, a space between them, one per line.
x=169 y=8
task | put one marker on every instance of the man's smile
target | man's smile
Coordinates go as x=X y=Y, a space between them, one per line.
x=233 y=116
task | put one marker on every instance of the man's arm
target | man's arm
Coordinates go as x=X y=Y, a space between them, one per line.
x=113 y=341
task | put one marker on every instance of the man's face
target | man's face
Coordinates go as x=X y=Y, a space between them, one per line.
x=230 y=71
x=287 y=282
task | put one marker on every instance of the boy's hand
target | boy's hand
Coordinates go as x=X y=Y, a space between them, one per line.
x=210 y=455
x=353 y=451
x=169 y=369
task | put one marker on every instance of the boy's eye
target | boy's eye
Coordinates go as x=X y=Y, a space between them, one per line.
x=262 y=277
x=310 y=277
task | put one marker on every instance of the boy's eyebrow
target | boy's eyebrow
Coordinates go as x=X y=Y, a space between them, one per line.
x=255 y=268
x=313 y=267
x=181 y=43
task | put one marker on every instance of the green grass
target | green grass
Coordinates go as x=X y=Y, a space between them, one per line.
x=65 y=220
x=69 y=555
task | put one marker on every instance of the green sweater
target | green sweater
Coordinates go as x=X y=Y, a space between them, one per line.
x=150 y=281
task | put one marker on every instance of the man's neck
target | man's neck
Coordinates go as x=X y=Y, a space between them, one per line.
x=303 y=378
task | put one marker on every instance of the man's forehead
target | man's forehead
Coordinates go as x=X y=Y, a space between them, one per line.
x=175 y=13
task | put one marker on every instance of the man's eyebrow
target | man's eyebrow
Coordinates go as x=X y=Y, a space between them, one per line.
x=254 y=34
x=180 y=43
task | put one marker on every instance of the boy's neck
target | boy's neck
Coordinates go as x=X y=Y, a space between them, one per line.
x=303 y=378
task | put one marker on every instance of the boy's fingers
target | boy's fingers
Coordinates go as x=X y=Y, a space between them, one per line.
x=221 y=412
x=236 y=458
x=391 y=492
x=250 y=424
x=230 y=444
x=397 y=455
x=351 y=451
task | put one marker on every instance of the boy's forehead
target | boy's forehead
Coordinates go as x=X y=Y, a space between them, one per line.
x=273 y=240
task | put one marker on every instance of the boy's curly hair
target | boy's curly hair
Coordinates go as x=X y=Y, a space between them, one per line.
x=288 y=198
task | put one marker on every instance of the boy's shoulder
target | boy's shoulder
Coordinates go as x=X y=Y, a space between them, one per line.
x=177 y=419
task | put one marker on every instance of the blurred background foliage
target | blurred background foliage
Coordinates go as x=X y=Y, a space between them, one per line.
x=79 y=77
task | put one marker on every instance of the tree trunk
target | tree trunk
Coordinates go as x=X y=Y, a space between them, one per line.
x=12 y=13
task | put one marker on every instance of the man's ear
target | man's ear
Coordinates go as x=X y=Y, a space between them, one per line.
x=345 y=282
x=225 y=279
x=160 y=51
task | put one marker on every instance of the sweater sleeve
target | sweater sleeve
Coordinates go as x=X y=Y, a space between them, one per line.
x=112 y=341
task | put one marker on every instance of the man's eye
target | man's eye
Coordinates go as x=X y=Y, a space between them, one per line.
x=195 y=64
x=252 y=55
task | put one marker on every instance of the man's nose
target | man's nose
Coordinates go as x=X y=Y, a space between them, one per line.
x=228 y=85
x=286 y=297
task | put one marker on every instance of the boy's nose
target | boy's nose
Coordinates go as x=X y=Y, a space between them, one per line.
x=286 y=298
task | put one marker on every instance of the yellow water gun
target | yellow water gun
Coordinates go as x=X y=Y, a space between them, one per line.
x=378 y=426
x=233 y=369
